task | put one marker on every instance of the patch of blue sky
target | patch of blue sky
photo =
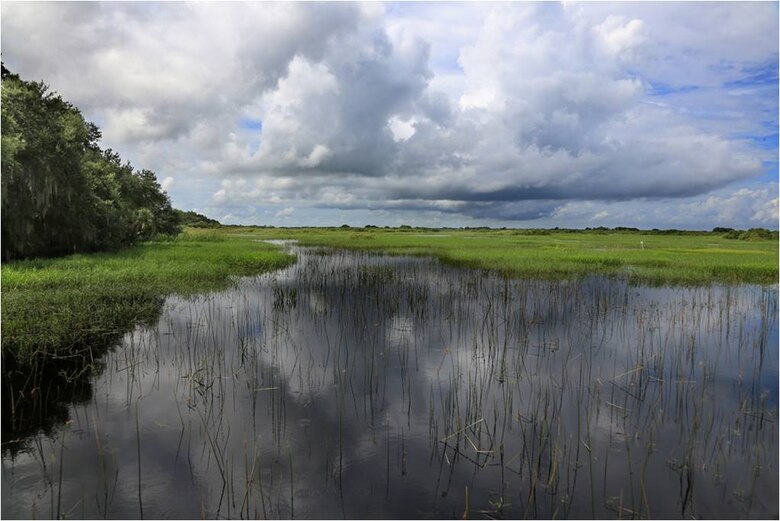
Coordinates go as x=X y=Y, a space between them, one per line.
x=253 y=128
x=400 y=8
x=764 y=74
x=768 y=140
x=410 y=9
x=251 y=124
x=663 y=89
x=769 y=170
x=447 y=61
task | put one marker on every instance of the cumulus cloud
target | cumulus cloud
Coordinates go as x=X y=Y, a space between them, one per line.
x=758 y=205
x=503 y=112
x=740 y=208
x=285 y=212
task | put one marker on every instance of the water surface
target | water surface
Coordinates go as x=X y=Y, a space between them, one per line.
x=362 y=386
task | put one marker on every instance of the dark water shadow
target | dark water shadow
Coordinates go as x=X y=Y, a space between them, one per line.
x=37 y=396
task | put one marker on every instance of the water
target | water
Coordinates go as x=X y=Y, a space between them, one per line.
x=359 y=386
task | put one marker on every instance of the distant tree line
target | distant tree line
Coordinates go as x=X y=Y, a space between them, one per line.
x=196 y=220
x=753 y=234
x=60 y=192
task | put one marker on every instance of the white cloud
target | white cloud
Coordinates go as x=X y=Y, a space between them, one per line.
x=286 y=212
x=402 y=130
x=742 y=208
x=167 y=183
x=483 y=111
x=220 y=196
x=618 y=35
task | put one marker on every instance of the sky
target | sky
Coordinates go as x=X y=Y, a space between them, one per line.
x=653 y=115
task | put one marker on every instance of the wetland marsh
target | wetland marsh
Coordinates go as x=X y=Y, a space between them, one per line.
x=355 y=384
x=394 y=260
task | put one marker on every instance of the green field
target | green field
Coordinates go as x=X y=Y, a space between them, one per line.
x=648 y=258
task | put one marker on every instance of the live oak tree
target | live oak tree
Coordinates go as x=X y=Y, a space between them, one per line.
x=60 y=192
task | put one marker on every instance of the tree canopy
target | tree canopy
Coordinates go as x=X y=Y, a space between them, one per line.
x=61 y=193
x=196 y=220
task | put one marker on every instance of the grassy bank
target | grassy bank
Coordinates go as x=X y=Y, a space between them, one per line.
x=642 y=257
x=54 y=309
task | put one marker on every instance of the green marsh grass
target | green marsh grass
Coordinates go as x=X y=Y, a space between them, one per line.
x=643 y=258
x=54 y=307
